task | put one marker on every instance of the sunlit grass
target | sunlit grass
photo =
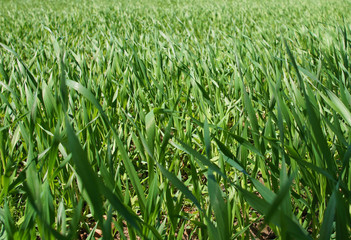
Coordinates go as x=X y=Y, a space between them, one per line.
x=173 y=120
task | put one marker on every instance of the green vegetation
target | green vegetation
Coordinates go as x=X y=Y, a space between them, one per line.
x=174 y=120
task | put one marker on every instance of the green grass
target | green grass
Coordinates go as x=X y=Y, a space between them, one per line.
x=167 y=120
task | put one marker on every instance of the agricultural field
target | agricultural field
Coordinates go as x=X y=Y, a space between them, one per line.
x=175 y=119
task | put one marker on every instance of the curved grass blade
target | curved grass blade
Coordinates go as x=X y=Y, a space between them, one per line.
x=201 y=158
x=85 y=172
x=328 y=217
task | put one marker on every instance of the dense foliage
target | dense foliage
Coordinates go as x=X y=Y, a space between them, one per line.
x=175 y=120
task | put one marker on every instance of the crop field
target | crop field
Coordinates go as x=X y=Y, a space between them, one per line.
x=175 y=119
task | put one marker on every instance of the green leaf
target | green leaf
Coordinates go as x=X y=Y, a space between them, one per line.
x=328 y=217
x=150 y=130
x=85 y=172
x=219 y=207
x=178 y=184
x=201 y=158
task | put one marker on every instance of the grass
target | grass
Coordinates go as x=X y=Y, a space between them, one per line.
x=175 y=120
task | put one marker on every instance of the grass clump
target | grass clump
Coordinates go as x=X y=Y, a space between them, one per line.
x=172 y=120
